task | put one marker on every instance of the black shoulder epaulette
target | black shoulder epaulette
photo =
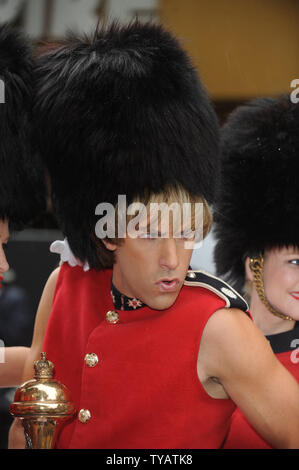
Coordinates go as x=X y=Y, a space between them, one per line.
x=232 y=298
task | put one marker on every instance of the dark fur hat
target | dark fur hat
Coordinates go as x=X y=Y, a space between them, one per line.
x=257 y=206
x=121 y=113
x=21 y=181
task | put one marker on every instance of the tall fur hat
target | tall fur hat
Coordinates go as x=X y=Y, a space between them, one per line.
x=257 y=205
x=122 y=112
x=21 y=175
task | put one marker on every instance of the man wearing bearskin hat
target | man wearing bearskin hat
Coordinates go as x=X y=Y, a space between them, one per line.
x=21 y=175
x=257 y=247
x=154 y=354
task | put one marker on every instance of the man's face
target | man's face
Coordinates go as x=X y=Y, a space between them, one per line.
x=151 y=269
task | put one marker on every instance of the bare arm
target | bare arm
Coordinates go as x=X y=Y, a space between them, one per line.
x=11 y=369
x=234 y=351
x=41 y=320
x=16 y=434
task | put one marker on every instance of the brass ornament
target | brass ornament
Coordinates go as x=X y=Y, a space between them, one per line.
x=43 y=405
x=256 y=266
x=191 y=275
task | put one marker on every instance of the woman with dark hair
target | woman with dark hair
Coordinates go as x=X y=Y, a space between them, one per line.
x=257 y=229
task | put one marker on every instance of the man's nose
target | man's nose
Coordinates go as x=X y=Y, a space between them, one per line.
x=169 y=254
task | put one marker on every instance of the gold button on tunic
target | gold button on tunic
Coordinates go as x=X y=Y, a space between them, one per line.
x=91 y=359
x=84 y=415
x=112 y=316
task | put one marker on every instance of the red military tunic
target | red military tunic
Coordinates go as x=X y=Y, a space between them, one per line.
x=144 y=391
x=242 y=435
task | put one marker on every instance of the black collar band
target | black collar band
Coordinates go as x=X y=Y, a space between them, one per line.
x=122 y=302
x=282 y=342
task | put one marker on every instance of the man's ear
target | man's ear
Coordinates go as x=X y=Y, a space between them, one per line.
x=248 y=272
x=110 y=246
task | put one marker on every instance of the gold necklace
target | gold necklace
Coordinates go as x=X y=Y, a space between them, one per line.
x=256 y=266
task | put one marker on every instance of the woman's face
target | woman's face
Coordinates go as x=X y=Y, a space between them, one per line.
x=4 y=236
x=281 y=280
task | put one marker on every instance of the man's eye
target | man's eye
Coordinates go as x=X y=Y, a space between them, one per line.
x=185 y=236
x=148 y=235
x=189 y=236
x=294 y=261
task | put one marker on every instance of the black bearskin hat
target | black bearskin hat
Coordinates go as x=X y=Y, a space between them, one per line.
x=121 y=113
x=257 y=205
x=21 y=176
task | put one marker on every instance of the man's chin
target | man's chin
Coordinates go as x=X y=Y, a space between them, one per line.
x=163 y=302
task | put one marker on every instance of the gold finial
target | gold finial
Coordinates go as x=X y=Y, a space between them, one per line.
x=43 y=368
x=43 y=405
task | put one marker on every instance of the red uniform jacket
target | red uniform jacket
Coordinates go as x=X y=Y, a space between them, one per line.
x=144 y=391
